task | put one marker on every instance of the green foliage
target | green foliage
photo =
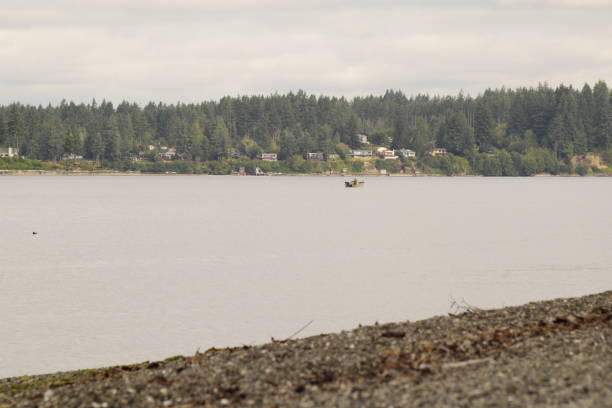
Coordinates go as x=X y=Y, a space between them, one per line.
x=458 y=136
x=525 y=122
x=391 y=166
x=484 y=125
x=450 y=164
x=356 y=166
x=343 y=150
x=21 y=164
x=606 y=156
x=582 y=170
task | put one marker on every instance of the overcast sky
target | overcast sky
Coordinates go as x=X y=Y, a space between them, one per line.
x=193 y=50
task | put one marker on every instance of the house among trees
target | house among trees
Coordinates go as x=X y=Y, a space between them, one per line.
x=333 y=156
x=168 y=154
x=315 y=156
x=505 y=132
x=9 y=152
x=407 y=153
x=268 y=157
x=361 y=153
x=389 y=154
x=72 y=156
x=438 y=151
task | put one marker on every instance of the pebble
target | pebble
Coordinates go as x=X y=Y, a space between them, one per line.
x=531 y=360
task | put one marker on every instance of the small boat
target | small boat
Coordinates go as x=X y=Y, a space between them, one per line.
x=354 y=183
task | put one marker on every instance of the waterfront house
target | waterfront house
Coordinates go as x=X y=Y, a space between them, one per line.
x=168 y=153
x=72 y=156
x=438 y=151
x=389 y=154
x=363 y=139
x=9 y=152
x=407 y=153
x=361 y=153
x=315 y=156
x=268 y=157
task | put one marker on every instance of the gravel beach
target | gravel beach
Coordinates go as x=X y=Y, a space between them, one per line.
x=551 y=353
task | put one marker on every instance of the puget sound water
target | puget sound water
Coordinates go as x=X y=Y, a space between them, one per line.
x=128 y=269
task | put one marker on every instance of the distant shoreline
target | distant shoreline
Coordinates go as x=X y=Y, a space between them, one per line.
x=553 y=353
x=124 y=173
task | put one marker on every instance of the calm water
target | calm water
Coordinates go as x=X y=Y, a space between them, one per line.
x=127 y=269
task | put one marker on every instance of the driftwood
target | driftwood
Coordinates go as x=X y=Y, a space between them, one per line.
x=457 y=364
x=293 y=335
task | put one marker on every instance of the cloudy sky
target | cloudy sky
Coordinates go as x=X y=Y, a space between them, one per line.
x=193 y=50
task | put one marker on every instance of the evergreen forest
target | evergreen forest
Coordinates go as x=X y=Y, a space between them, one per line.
x=510 y=132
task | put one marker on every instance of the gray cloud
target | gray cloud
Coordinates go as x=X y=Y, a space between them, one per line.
x=191 y=50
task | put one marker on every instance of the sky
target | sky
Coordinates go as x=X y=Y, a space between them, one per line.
x=196 y=50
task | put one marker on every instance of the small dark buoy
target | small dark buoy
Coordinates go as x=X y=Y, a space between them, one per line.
x=34 y=233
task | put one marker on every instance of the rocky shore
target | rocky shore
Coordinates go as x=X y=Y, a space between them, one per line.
x=552 y=353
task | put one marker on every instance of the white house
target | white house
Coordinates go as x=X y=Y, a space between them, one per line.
x=72 y=156
x=9 y=152
x=438 y=151
x=389 y=154
x=168 y=154
x=315 y=156
x=361 y=153
x=407 y=153
x=268 y=157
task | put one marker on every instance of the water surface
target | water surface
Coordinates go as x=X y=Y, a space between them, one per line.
x=127 y=269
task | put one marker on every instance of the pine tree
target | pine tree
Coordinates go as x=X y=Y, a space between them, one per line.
x=53 y=137
x=112 y=139
x=350 y=132
x=3 y=130
x=558 y=138
x=16 y=126
x=421 y=137
x=586 y=110
x=459 y=136
x=73 y=143
x=484 y=125
x=196 y=140
x=220 y=140
x=602 y=116
x=288 y=145
x=126 y=131
x=95 y=146
x=518 y=118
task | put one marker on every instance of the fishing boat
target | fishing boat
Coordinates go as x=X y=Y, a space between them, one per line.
x=354 y=183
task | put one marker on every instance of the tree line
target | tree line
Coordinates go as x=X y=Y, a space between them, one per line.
x=558 y=123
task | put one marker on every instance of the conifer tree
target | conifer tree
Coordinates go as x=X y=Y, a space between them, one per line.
x=53 y=137
x=196 y=140
x=112 y=139
x=602 y=116
x=484 y=125
x=16 y=126
x=3 y=130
